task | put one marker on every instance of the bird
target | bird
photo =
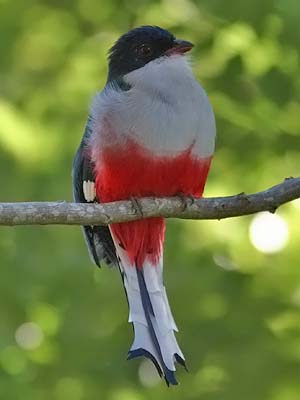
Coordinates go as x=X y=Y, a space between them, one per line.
x=150 y=132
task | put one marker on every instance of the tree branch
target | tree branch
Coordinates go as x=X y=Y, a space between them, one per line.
x=64 y=213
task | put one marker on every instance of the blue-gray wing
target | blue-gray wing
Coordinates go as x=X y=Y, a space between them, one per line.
x=98 y=238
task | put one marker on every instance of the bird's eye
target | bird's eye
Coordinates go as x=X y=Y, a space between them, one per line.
x=144 y=50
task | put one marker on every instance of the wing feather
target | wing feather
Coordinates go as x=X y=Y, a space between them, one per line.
x=98 y=238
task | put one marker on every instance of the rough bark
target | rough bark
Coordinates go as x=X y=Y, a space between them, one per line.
x=64 y=213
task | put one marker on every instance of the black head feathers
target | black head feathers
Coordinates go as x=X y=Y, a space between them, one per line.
x=136 y=48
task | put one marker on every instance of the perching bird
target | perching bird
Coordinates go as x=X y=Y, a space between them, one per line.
x=151 y=132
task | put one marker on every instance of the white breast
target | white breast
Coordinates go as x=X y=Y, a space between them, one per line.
x=166 y=110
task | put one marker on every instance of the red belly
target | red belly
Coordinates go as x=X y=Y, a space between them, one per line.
x=132 y=171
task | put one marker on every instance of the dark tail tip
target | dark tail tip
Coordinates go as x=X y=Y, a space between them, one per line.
x=170 y=377
x=167 y=374
x=144 y=353
x=181 y=361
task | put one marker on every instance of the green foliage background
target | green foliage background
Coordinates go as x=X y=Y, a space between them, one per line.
x=238 y=309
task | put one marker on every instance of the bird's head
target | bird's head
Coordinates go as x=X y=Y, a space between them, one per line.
x=138 y=47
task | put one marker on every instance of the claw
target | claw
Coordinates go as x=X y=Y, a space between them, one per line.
x=187 y=200
x=137 y=206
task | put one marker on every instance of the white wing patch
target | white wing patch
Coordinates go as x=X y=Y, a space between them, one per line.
x=89 y=191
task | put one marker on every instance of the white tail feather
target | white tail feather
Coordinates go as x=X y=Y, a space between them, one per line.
x=162 y=320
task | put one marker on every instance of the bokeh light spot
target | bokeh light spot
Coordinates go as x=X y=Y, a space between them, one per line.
x=47 y=353
x=126 y=394
x=210 y=378
x=29 y=336
x=12 y=360
x=69 y=388
x=47 y=317
x=268 y=233
x=148 y=374
x=224 y=262
x=285 y=324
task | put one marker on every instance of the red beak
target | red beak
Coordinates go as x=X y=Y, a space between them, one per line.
x=180 y=47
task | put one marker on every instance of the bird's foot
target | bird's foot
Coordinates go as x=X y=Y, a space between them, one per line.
x=186 y=200
x=137 y=206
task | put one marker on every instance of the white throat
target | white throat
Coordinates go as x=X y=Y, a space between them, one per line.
x=165 y=75
x=166 y=110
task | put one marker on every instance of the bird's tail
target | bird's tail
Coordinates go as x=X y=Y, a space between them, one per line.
x=150 y=313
